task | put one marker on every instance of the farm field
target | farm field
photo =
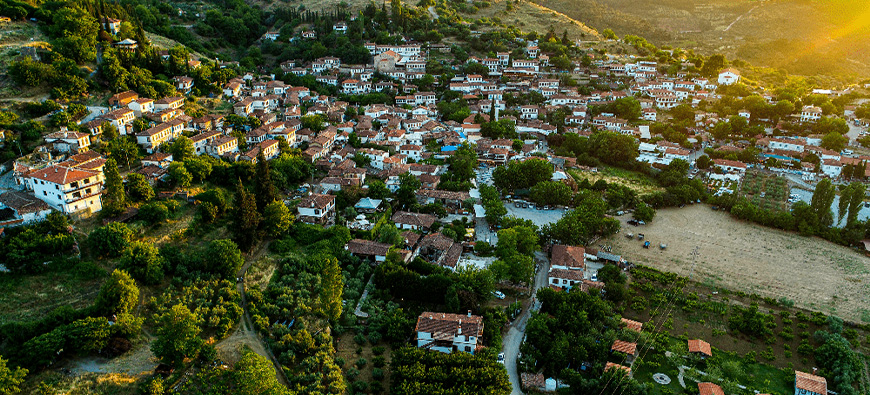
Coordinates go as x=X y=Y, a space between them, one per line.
x=740 y=256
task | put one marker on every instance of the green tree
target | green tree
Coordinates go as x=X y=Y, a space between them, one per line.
x=579 y=226
x=179 y=174
x=110 y=240
x=10 y=379
x=821 y=202
x=181 y=149
x=516 y=240
x=177 y=335
x=140 y=189
x=264 y=188
x=143 y=261
x=224 y=258
x=643 y=212
x=114 y=198
x=550 y=193
x=407 y=192
x=332 y=284
x=118 y=295
x=703 y=162
x=609 y=34
x=199 y=167
x=255 y=375
x=834 y=141
x=712 y=66
x=277 y=218
x=246 y=220
x=123 y=150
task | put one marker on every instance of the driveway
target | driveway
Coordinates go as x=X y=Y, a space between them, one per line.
x=514 y=338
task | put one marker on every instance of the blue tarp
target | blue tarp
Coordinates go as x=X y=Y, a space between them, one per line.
x=449 y=148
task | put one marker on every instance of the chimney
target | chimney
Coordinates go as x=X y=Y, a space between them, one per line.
x=814 y=370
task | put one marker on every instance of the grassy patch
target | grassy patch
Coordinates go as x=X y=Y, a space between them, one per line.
x=29 y=297
x=637 y=182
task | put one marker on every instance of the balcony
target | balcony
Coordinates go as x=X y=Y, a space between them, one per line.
x=77 y=186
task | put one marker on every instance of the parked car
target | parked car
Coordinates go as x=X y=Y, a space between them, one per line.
x=646 y=244
x=498 y=294
x=594 y=277
x=500 y=358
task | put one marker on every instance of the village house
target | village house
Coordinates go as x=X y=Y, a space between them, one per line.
x=317 y=209
x=809 y=384
x=66 y=141
x=67 y=189
x=368 y=249
x=700 y=348
x=141 y=106
x=21 y=208
x=728 y=76
x=122 y=99
x=413 y=221
x=221 y=146
x=446 y=332
x=628 y=349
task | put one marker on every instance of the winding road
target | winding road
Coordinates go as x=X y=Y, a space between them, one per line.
x=514 y=338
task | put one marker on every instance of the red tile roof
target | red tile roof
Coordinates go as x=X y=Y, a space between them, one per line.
x=449 y=324
x=624 y=347
x=570 y=256
x=810 y=382
x=632 y=324
x=710 y=389
x=700 y=346
x=611 y=365
x=62 y=175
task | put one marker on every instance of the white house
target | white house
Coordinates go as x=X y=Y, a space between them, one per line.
x=413 y=221
x=68 y=189
x=811 y=114
x=729 y=76
x=449 y=332
x=730 y=166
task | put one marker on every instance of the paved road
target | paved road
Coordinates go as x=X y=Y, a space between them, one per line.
x=517 y=331
x=432 y=12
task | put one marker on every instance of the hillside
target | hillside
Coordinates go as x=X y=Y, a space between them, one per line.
x=528 y=16
x=802 y=36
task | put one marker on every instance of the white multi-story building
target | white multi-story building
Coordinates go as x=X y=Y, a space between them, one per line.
x=449 y=332
x=67 y=189
x=811 y=114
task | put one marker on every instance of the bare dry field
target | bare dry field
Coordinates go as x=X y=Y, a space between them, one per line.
x=741 y=256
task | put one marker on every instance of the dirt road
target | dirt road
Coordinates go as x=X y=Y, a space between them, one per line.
x=517 y=331
x=737 y=255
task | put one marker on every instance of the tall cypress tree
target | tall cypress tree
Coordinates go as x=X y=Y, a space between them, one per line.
x=264 y=188
x=247 y=219
x=114 y=197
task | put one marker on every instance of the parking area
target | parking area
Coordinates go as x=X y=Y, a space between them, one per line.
x=538 y=217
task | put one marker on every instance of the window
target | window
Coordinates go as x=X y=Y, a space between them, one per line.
x=468 y=348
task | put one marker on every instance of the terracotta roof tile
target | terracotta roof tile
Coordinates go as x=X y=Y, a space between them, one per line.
x=624 y=347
